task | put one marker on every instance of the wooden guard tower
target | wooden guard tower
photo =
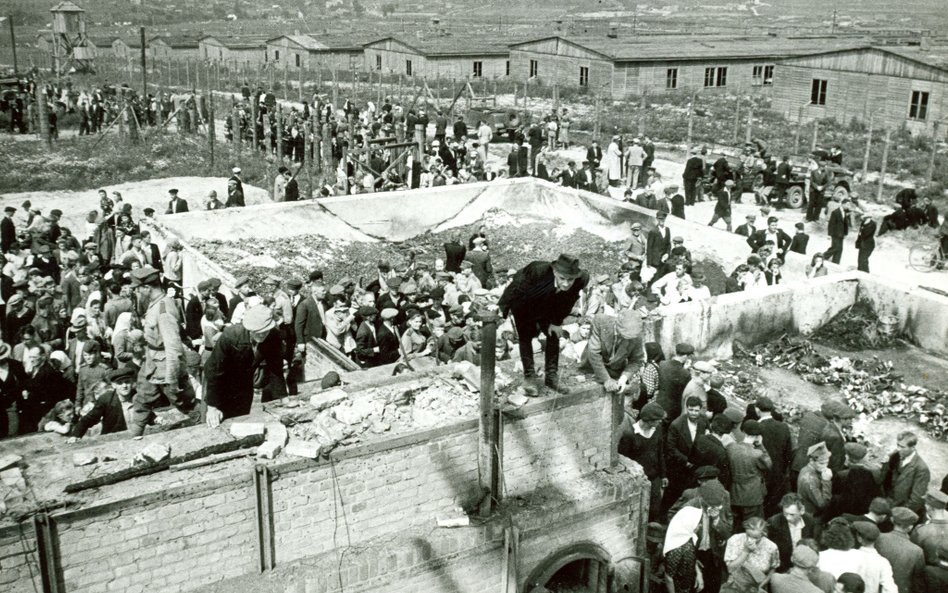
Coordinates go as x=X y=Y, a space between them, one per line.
x=70 y=46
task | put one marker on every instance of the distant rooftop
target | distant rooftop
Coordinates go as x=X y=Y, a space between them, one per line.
x=319 y=42
x=182 y=41
x=66 y=7
x=239 y=41
x=935 y=55
x=702 y=48
x=453 y=45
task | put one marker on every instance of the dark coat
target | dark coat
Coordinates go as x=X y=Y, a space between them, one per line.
x=366 y=343
x=799 y=242
x=657 y=244
x=838 y=224
x=454 y=254
x=307 y=322
x=177 y=205
x=594 y=156
x=192 y=318
x=866 y=236
x=682 y=451
x=672 y=379
x=745 y=230
x=678 y=206
x=7 y=234
x=568 y=177
x=388 y=345
x=154 y=257
x=532 y=295
x=757 y=238
x=779 y=445
x=710 y=451
x=481 y=267
x=906 y=486
x=230 y=371
x=778 y=531
x=694 y=168
x=107 y=408
x=647 y=452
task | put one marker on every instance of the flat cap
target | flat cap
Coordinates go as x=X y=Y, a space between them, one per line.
x=395 y=282
x=734 y=414
x=867 y=529
x=145 y=276
x=337 y=290
x=661 y=215
x=443 y=275
x=818 y=451
x=455 y=333
x=804 y=557
x=9 y=209
x=204 y=285
x=717 y=381
x=367 y=311
x=904 y=516
x=652 y=412
x=123 y=373
x=258 y=318
x=683 y=349
x=466 y=265
x=712 y=493
x=56 y=212
x=751 y=428
x=706 y=472
x=79 y=323
x=703 y=366
x=294 y=283
x=214 y=282
x=765 y=404
x=855 y=451
x=389 y=313
x=936 y=498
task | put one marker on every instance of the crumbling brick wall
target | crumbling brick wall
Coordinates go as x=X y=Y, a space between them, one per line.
x=365 y=519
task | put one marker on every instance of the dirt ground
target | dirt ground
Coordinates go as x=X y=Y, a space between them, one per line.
x=141 y=194
x=917 y=367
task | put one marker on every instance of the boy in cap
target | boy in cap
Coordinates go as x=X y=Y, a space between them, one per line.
x=876 y=570
x=163 y=372
x=643 y=441
x=367 y=346
x=247 y=356
x=815 y=483
x=673 y=377
x=797 y=580
x=907 y=559
x=176 y=204
x=540 y=297
x=750 y=465
x=799 y=240
x=857 y=485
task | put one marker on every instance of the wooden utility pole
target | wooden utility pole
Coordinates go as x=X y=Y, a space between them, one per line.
x=796 y=132
x=931 y=162
x=691 y=122
x=488 y=457
x=211 y=139
x=865 y=160
x=41 y=115
x=816 y=134
x=13 y=43
x=279 y=131
x=885 y=162
x=642 y=114
x=141 y=35
x=748 y=133
x=737 y=119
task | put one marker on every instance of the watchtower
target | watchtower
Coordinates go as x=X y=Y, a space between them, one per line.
x=69 y=45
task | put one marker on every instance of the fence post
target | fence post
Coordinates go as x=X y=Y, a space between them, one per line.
x=41 y=116
x=254 y=114
x=931 y=162
x=642 y=114
x=597 y=132
x=691 y=122
x=816 y=134
x=300 y=81
x=737 y=119
x=279 y=132
x=865 y=160
x=748 y=133
x=885 y=161
x=211 y=140
x=796 y=132
x=335 y=89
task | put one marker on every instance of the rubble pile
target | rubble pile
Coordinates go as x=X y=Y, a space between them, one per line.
x=514 y=242
x=334 y=418
x=872 y=387
x=856 y=328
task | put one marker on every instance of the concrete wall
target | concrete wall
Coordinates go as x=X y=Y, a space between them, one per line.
x=922 y=314
x=713 y=326
x=364 y=520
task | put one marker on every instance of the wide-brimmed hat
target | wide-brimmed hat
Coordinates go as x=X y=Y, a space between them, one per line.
x=567 y=266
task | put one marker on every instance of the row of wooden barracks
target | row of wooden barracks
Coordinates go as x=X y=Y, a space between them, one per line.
x=808 y=77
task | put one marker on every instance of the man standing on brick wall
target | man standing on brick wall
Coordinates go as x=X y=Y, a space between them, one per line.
x=163 y=372
x=540 y=296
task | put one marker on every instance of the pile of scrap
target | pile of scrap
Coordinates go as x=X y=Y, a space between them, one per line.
x=858 y=328
x=872 y=386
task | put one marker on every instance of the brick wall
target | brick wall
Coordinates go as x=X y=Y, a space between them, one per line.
x=367 y=517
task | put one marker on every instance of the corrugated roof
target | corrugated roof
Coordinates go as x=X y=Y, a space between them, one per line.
x=454 y=45
x=703 y=48
x=304 y=41
x=182 y=41
x=239 y=41
x=935 y=56
x=66 y=7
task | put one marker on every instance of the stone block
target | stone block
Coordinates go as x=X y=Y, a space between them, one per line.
x=277 y=433
x=308 y=449
x=80 y=459
x=239 y=430
x=153 y=453
x=9 y=460
x=328 y=398
x=269 y=449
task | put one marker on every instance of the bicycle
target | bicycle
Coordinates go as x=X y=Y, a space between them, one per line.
x=926 y=258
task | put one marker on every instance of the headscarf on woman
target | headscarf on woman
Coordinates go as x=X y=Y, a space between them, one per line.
x=682 y=528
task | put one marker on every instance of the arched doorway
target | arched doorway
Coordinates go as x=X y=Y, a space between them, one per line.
x=579 y=568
